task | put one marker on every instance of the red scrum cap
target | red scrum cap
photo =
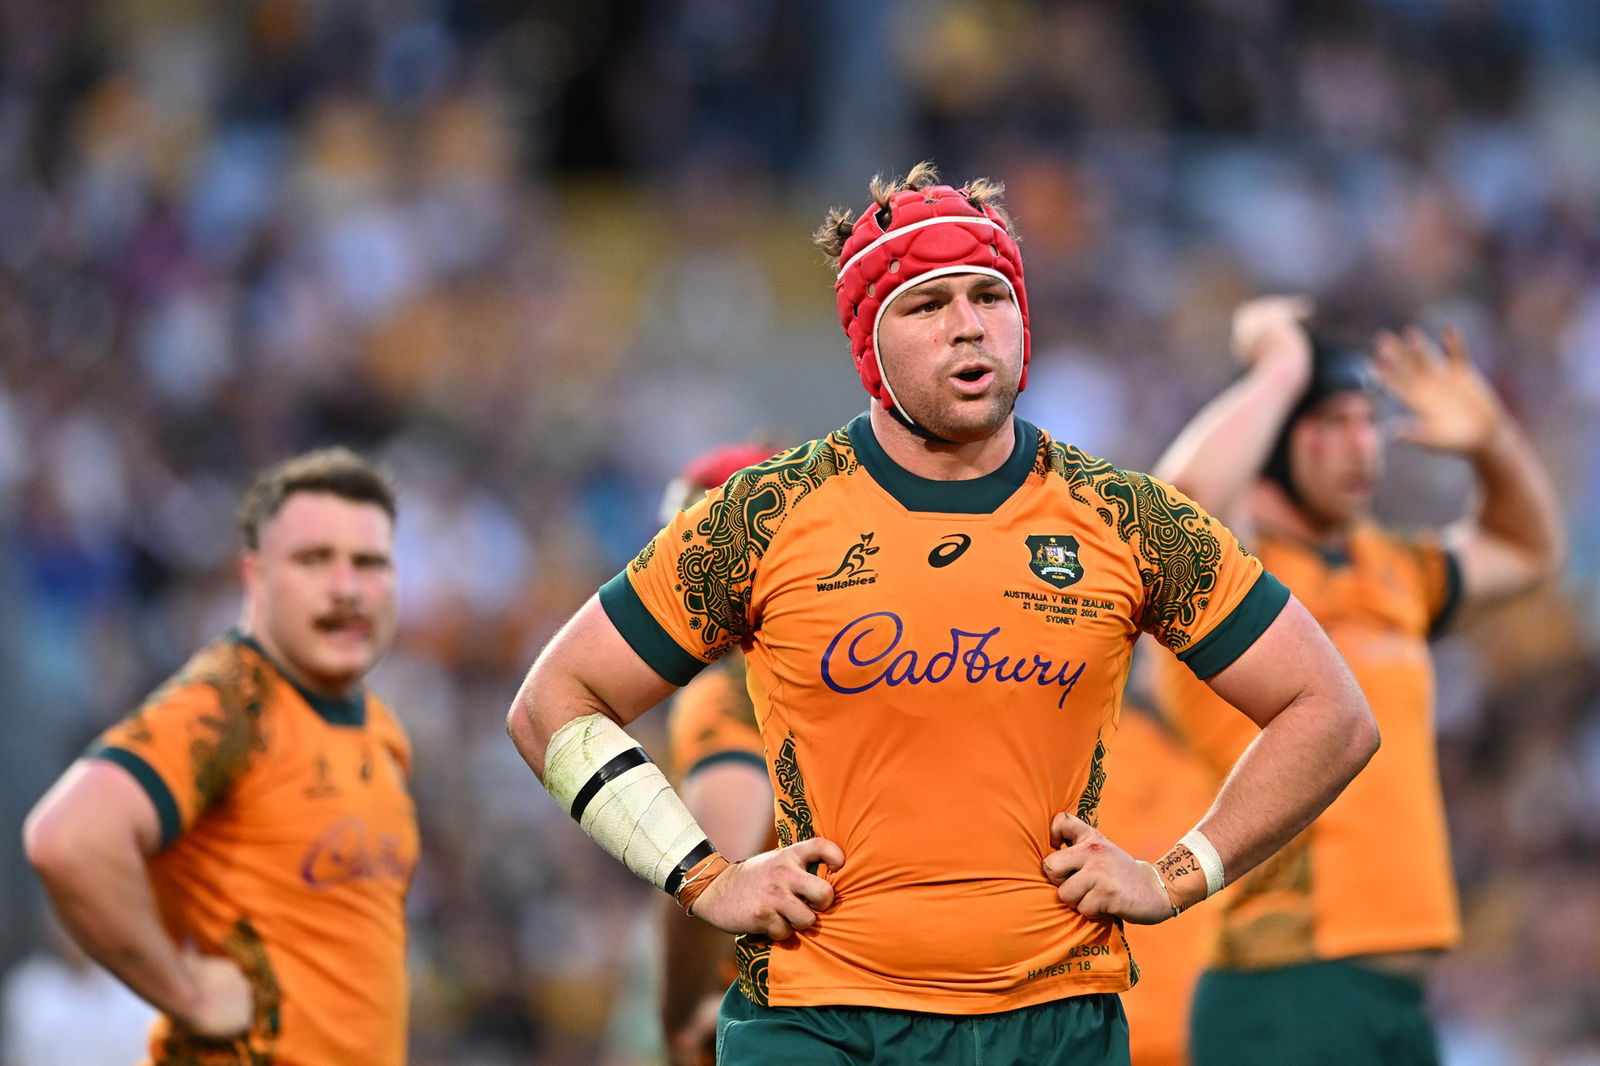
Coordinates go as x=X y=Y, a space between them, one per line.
x=919 y=234
x=707 y=471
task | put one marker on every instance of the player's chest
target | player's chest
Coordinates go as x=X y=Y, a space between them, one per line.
x=331 y=799
x=932 y=592
x=1370 y=597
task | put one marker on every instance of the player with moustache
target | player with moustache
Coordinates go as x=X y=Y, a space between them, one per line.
x=238 y=850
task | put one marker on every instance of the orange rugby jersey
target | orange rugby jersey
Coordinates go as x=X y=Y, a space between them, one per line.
x=1372 y=873
x=290 y=840
x=935 y=668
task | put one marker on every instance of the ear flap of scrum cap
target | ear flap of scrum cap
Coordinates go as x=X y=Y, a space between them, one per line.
x=928 y=230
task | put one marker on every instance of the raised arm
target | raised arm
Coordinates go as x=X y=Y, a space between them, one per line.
x=1514 y=539
x=1317 y=732
x=1217 y=456
x=567 y=720
x=88 y=839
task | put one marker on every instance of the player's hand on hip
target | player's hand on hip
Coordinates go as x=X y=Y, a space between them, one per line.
x=1101 y=880
x=771 y=894
x=224 y=1005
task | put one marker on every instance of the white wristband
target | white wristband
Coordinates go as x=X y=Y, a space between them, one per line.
x=601 y=777
x=1206 y=855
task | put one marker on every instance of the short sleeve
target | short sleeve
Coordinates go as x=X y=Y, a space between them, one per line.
x=1206 y=597
x=188 y=743
x=683 y=601
x=1440 y=572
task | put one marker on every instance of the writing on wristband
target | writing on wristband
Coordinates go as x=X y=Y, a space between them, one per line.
x=1166 y=890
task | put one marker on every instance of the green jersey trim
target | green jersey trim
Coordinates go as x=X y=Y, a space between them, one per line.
x=747 y=758
x=1247 y=621
x=1452 y=597
x=979 y=495
x=644 y=634
x=160 y=795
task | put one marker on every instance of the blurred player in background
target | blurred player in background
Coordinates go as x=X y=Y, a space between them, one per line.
x=937 y=605
x=721 y=773
x=1323 y=949
x=238 y=850
x=1155 y=783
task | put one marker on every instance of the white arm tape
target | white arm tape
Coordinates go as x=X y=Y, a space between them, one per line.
x=1206 y=855
x=601 y=776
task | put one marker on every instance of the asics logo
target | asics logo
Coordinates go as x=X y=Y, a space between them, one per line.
x=949 y=550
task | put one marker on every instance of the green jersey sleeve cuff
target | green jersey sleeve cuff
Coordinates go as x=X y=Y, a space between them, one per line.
x=1219 y=648
x=1452 y=597
x=746 y=758
x=644 y=634
x=150 y=781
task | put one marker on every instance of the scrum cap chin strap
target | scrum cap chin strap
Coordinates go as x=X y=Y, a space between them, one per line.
x=919 y=234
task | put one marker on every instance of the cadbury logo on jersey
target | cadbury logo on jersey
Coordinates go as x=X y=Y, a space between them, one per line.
x=1055 y=558
x=344 y=854
x=867 y=653
x=852 y=569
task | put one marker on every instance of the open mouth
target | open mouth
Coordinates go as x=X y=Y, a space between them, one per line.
x=974 y=374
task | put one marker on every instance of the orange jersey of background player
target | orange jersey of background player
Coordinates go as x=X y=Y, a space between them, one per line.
x=308 y=844
x=1372 y=874
x=1155 y=788
x=712 y=719
x=887 y=622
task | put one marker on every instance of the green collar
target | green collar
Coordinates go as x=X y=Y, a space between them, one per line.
x=979 y=495
x=331 y=709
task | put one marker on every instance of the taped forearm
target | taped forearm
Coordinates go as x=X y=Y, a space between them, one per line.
x=601 y=776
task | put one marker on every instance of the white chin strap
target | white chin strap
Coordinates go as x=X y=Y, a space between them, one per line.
x=877 y=351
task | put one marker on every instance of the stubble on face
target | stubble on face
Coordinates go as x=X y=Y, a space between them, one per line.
x=969 y=328
x=967 y=421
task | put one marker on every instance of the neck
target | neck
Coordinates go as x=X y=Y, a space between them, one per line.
x=1275 y=512
x=288 y=670
x=942 y=461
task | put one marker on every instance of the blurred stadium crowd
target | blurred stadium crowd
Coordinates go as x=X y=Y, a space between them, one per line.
x=535 y=255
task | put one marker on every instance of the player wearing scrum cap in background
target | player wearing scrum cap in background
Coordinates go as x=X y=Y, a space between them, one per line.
x=1323 y=950
x=720 y=769
x=937 y=604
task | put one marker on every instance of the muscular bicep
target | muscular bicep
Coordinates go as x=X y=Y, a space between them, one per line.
x=587 y=668
x=1291 y=659
x=95 y=803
